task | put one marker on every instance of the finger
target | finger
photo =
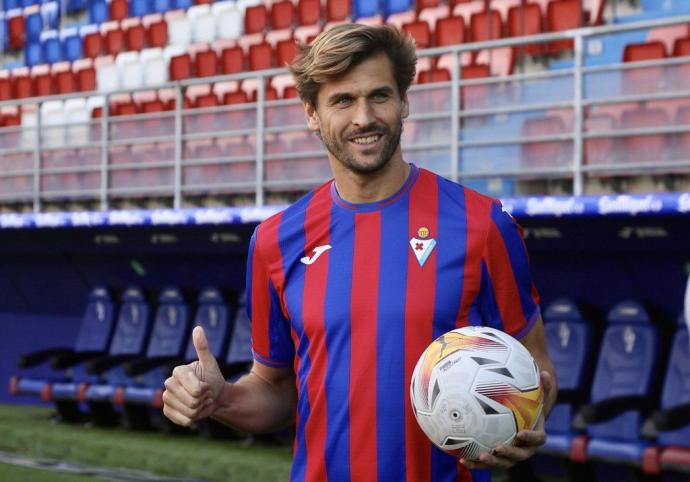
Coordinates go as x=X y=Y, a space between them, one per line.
x=514 y=454
x=176 y=405
x=533 y=438
x=490 y=460
x=187 y=378
x=191 y=397
x=206 y=359
x=546 y=381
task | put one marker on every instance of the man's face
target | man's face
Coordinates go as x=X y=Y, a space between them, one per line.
x=359 y=116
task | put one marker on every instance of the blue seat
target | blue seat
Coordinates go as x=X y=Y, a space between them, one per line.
x=139 y=8
x=98 y=11
x=33 y=54
x=129 y=343
x=623 y=393
x=184 y=4
x=671 y=423
x=4 y=40
x=11 y=4
x=33 y=25
x=160 y=6
x=72 y=44
x=74 y=6
x=50 y=13
x=50 y=46
x=93 y=340
x=141 y=397
x=397 y=6
x=363 y=8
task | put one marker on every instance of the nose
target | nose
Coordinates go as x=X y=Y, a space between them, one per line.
x=363 y=114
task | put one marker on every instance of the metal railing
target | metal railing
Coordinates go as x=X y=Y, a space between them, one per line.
x=508 y=135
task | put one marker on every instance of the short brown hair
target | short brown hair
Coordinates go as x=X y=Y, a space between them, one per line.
x=334 y=52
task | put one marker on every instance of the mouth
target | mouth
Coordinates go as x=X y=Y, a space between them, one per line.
x=366 y=139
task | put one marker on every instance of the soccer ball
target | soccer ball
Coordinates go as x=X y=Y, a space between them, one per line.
x=474 y=388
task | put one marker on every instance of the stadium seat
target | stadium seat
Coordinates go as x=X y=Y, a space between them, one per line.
x=5 y=85
x=72 y=45
x=286 y=50
x=450 y=31
x=420 y=32
x=282 y=15
x=157 y=34
x=86 y=78
x=275 y=36
x=230 y=24
x=544 y=153
x=261 y=56
x=180 y=67
x=562 y=15
x=139 y=8
x=135 y=35
x=179 y=31
x=203 y=26
x=571 y=343
x=255 y=19
x=93 y=45
x=33 y=26
x=431 y=15
x=308 y=12
x=306 y=33
x=98 y=11
x=119 y=9
x=42 y=80
x=599 y=150
x=206 y=63
x=93 y=340
x=129 y=343
x=232 y=60
x=21 y=83
x=33 y=54
x=649 y=147
x=338 y=10
x=525 y=20
x=626 y=381
x=486 y=26
x=114 y=41
x=365 y=9
x=15 y=29
x=466 y=9
x=644 y=79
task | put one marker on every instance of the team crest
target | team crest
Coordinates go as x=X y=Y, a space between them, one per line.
x=422 y=245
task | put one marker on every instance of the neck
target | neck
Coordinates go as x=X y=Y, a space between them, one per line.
x=367 y=188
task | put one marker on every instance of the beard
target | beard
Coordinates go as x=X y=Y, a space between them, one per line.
x=339 y=148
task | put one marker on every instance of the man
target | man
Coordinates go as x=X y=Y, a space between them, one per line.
x=345 y=288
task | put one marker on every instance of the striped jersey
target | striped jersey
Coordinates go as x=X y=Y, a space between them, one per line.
x=350 y=295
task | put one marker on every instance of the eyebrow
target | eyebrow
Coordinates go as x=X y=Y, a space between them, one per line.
x=333 y=98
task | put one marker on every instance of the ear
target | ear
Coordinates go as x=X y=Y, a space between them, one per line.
x=312 y=117
x=405 y=107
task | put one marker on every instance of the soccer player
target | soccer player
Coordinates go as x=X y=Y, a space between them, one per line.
x=347 y=287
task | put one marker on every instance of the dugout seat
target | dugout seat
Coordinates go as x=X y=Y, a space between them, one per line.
x=92 y=341
x=623 y=393
x=671 y=423
x=143 y=398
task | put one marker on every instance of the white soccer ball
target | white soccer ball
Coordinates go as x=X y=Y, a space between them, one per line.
x=474 y=388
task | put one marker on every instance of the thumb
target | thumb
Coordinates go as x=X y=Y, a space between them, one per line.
x=206 y=359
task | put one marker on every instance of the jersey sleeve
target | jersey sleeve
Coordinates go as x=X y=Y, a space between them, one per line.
x=508 y=298
x=271 y=341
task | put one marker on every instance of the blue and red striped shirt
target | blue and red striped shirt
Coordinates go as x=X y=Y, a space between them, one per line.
x=350 y=295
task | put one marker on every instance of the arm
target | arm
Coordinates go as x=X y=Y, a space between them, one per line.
x=535 y=342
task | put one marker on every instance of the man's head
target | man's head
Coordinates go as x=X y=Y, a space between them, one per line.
x=336 y=51
x=353 y=81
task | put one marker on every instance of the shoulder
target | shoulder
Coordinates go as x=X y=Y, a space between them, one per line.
x=473 y=202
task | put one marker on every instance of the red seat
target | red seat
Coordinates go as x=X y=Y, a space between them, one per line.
x=450 y=31
x=206 y=63
x=337 y=10
x=118 y=9
x=21 y=84
x=255 y=19
x=65 y=82
x=420 y=32
x=486 y=26
x=290 y=92
x=11 y=117
x=232 y=60
x=422 y=4
x=286 y=50
x=474 y=95
x=5 y=86
x=136 y=37
x=261 y=56
x=434 y=75
x=114 y=41
x=649 y=147
x=643 y=79
x=282 y=15
x=93 y=45
x=308 y=12
x=180 y=67
x=15 y=31
x=562 y=15
x=526 y=20
x=152 y=106
x=682 y=145
x=157 y=34
x=599 y=150
x=543 y=153
x=43 y=83
x=206 y=100
x=236 y=97
x=681 y=47
x=86 y=79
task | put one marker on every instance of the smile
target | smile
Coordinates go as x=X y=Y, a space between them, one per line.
x=365 y=140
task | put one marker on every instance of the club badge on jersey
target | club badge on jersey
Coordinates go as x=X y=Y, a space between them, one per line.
x=422 y=245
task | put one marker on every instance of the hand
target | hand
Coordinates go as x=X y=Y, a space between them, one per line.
x=525 y=444
x=193 y=390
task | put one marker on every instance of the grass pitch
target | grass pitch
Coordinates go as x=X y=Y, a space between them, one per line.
x=30 y=431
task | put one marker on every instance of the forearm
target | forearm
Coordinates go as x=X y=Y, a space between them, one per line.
x=545 y=364
x=256 y=404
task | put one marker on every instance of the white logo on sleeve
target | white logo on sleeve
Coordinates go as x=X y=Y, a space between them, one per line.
x=318 y=251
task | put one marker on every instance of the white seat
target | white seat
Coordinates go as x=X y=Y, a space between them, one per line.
x=107 y=78
x=220 y=7
x=150 y=54
x=203 y=28
x=179 y=31
x=155 y=72
x=243 y=4
x=94 y=102
x=196 y=11
x=124 y=58
x=131 y=76
x=78 y=115
x=229 y=24
x=53 y=114
x=29 y=123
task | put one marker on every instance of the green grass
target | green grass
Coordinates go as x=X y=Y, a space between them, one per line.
x=24 y=474
x=30 y=431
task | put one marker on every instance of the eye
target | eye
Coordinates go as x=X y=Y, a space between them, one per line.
x=380 y=96
x=343 y=101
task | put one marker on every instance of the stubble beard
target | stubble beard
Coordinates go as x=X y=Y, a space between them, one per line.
x=338 y=150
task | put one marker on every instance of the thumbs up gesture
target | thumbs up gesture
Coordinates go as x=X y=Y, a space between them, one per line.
x=193 y=390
